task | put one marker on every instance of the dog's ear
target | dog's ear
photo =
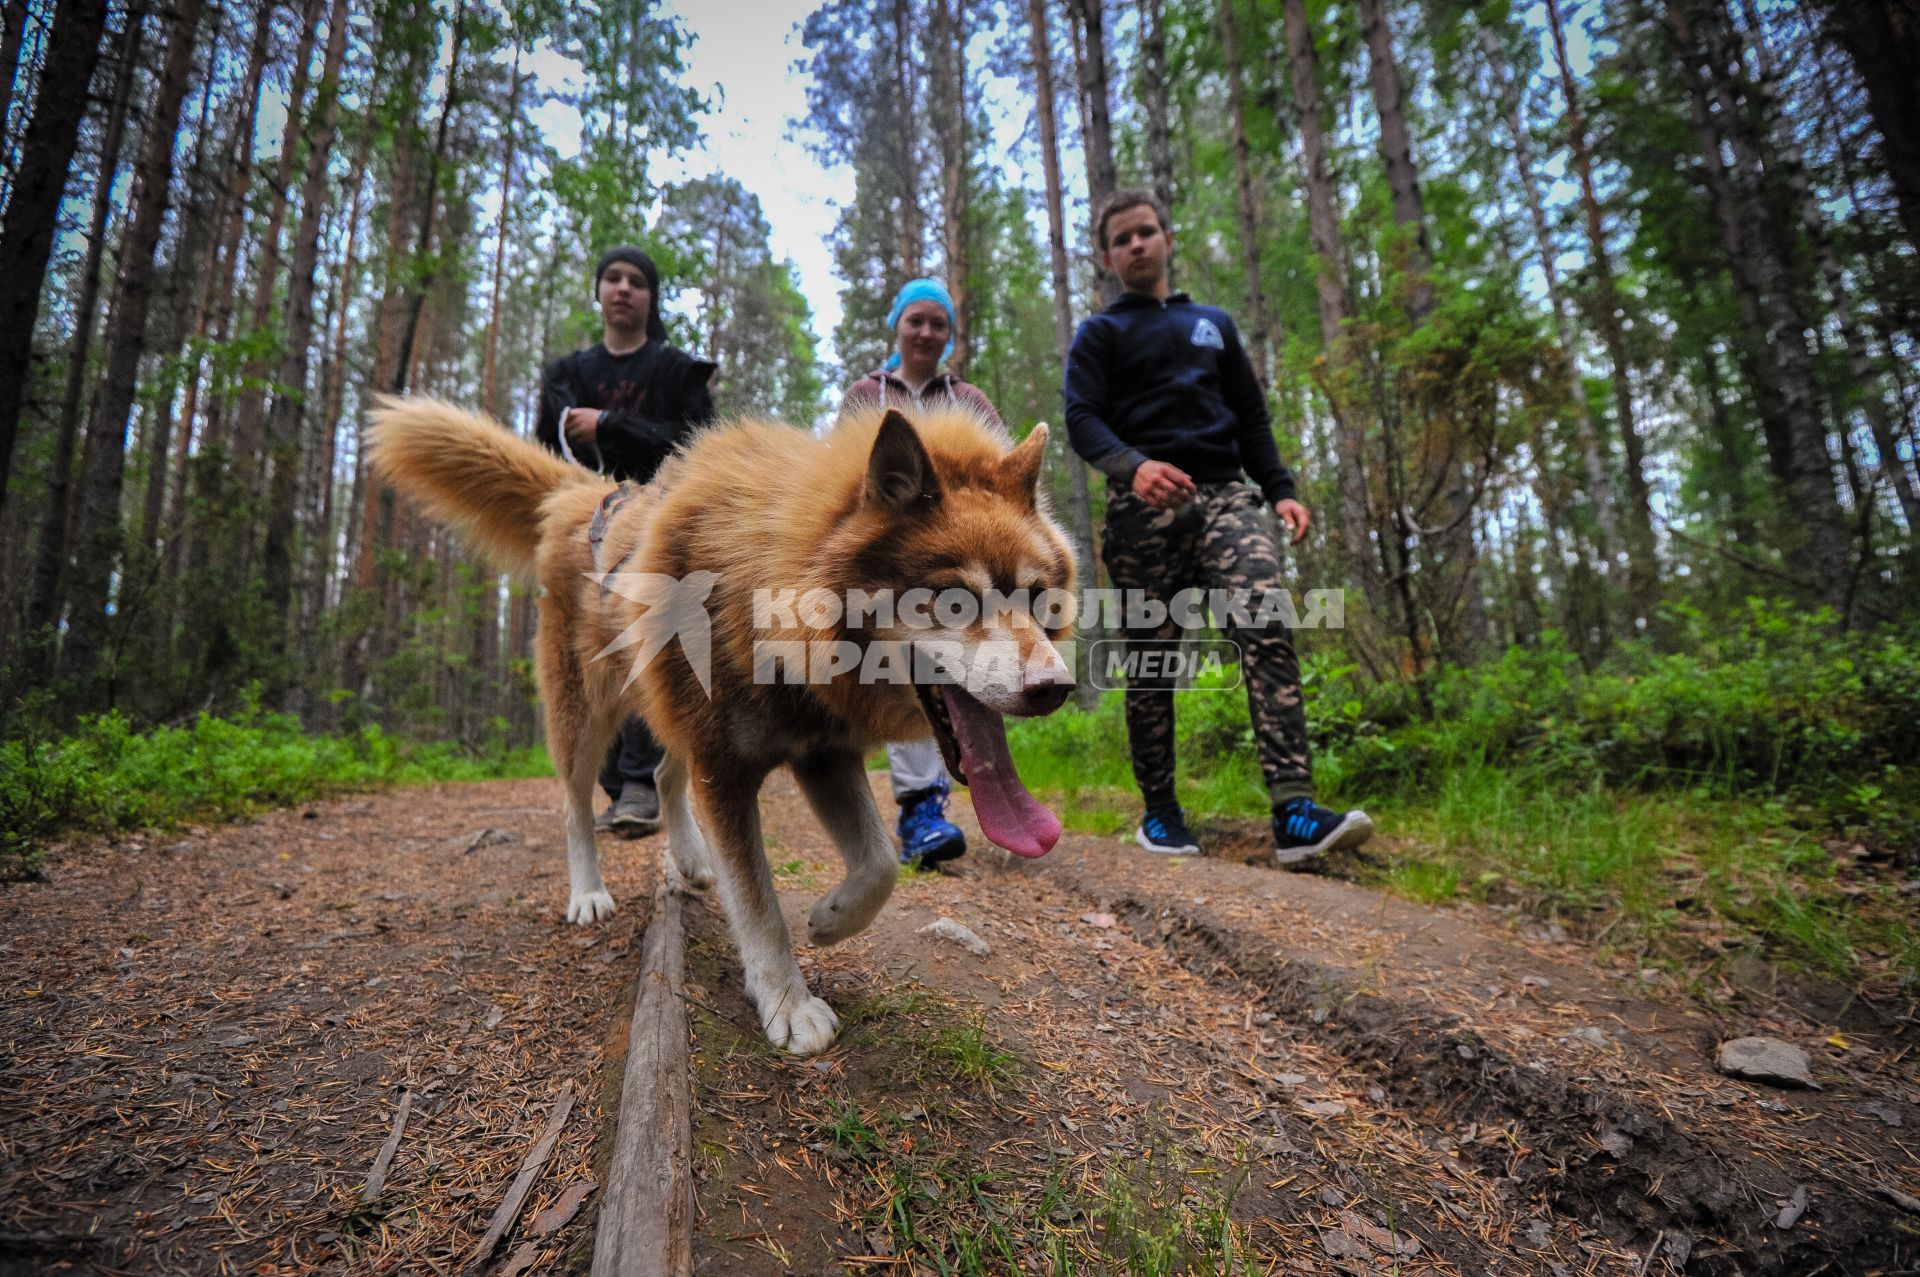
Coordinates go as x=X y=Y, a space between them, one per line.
x=900 y=473
x=1020 y=469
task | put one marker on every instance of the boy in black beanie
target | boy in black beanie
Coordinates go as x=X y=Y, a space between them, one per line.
x=621 y=407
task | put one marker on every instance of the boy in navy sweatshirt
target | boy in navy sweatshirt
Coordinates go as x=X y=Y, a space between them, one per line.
x=1162 y=399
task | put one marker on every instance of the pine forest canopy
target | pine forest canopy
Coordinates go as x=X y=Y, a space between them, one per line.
x=1573 y=315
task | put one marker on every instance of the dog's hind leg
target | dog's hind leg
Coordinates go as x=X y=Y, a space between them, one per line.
x=685 y=842
x=794 y=1020
x=835 y=783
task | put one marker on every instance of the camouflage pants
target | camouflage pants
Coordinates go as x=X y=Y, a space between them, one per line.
x=1222 y=539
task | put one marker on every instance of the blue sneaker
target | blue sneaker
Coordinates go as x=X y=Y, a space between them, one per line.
x=927 y=837
x=1303 y=829
x=1163 y=830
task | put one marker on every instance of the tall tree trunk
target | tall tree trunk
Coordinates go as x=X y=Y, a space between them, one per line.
x=43 y=607
x=1643 y=575
x=1258 y=327
x=1323 y=216
x=1323 y=212
x=1883 y=39
x=1866 y=379
x=906 y=78
x=225 y=285
x=424 y=246
x=510 y=131
x=396 y=329
x=1096 y=120
x=1898 y=469
x=1707 y=57
x=1729 y=455
x=1586 y=435
x=1153 y=85
x=26 y=230
x=334 y=380
x=1396 y=150
x=1081 y=510
x=289 y=406
x=250 y=406
x=100 y=541
x=13 y=30
x=187 y=306
x=951 y=17
x=1443 y=472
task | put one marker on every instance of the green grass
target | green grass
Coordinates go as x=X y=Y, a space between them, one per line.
x=106 y=776
x=1662 y=793
x=930 y=1038
x=1156 y=1215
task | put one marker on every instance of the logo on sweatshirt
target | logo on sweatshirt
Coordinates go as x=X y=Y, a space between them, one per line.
x=1205 y=334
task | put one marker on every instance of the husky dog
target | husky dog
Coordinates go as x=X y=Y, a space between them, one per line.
x=696 y=573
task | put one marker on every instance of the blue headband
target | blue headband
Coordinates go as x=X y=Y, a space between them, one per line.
x=919 y=290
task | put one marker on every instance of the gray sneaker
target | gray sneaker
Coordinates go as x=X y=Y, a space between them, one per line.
x=635 y=814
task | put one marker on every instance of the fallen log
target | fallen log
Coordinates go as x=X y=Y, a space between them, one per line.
x=647 y=1215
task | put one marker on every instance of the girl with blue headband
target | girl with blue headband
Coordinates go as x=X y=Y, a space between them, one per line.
x=921 y=322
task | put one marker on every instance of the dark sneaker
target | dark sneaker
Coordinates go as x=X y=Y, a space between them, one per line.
x=1163 y=830
x=636 y=813
x=1303 y=829
x=927 y=837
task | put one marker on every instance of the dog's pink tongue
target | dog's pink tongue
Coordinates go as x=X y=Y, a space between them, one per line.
x=1009 y=815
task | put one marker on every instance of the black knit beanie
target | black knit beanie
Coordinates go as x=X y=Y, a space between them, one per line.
x=656 y=330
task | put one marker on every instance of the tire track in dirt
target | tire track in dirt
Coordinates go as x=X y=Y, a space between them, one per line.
x=1606 y=1102
x=1135 y=1094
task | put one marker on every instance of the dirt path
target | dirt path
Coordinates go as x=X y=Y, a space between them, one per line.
x=1159 y=1067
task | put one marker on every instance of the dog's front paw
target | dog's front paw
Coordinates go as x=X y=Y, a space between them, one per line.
x=803 y=1026
x=690 y=858
x=849 y=908
x=588 y=907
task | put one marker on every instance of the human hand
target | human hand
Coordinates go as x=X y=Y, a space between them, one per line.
x=1162 y=485
x=1295 y=516
x=582 y=425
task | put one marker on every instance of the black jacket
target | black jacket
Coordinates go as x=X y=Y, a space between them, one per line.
x=1169 y=381
x=650 y=401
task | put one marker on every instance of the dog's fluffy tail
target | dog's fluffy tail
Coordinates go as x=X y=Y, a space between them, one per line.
x=471 y=471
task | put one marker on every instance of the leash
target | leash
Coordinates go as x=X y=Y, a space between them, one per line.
x=610 y=505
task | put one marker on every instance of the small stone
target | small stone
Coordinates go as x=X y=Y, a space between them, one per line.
x=956 y=933
x=1100 y=920
x=1323 y=1108
x=1791 y=1211
x=1591 y=1036
x=489 y=837
x=1890 y=1116
x=1765 y=1060
x=1290 y=1079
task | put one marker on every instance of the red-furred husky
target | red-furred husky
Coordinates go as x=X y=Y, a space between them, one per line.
x=746 y=514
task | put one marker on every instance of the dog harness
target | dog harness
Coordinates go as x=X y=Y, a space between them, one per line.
x=610 y=505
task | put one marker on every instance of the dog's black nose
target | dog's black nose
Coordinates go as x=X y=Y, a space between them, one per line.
x=1045 y=691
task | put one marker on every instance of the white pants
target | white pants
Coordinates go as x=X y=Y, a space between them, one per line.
x=916 y=765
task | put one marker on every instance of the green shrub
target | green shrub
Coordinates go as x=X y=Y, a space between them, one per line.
x=106 y=776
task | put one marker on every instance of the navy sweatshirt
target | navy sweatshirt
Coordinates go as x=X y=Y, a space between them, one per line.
x=650 y=401
x=1169 y=381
